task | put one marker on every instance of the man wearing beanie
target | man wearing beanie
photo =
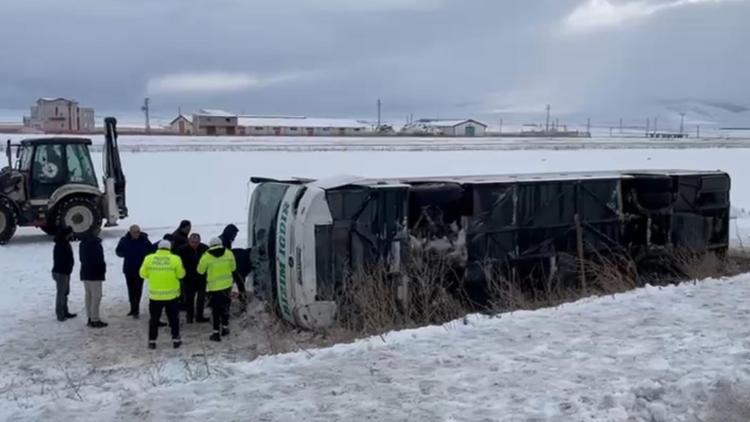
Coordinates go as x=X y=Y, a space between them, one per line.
x=218 y=264
x=163 y=270
x=180 y=236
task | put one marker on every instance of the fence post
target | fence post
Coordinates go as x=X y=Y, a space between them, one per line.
x=579 y=245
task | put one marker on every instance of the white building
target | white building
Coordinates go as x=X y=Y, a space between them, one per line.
x=214 y=122
x=446 y=127
x=302 y=126
x=60 y=115
x=182 y=125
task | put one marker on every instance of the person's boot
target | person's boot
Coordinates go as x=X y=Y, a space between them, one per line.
x=176 y=343
x=152 y=344
x=130 y=313
x=136 y=315
x=68 y=315
x=224 y=331
x=215 y=336
x=162 y=324
x=98 y=324
x=88 y=324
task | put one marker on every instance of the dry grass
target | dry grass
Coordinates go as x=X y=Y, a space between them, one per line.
x=697 y=265
x=430 y=291
x=611 y=274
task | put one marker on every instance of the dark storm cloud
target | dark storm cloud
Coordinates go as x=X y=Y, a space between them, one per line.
x=430 y=57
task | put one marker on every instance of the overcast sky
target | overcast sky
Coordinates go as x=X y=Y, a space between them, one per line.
x=336 y=57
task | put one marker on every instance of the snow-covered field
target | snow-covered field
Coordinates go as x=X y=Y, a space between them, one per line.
x=651 y=354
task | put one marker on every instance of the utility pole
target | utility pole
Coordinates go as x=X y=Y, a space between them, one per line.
x=682 y=123
x=145 y=110
x=501 y=126
x=698 y=131
x=380 y=104
x=546 y=125
x=588 y=125
x=648 y=125
x=620 y=125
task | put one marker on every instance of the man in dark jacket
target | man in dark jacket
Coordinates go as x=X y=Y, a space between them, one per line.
x=227 y=237
x=93 y=271
x=194 y=284
x=62 y=268
x=133 y=248
x=180 y=236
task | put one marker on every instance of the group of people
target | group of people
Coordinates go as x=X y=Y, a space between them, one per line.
x=182 y=274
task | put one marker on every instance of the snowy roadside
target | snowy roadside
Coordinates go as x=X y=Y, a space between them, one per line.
x=652 y=354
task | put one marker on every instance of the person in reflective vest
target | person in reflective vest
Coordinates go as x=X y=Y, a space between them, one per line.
x=219 y=265
x=163 y=271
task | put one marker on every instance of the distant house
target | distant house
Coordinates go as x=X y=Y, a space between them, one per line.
x=60 y=115
x=446 y=127
x=302 y=126
x=182 y=125
x=214 y=122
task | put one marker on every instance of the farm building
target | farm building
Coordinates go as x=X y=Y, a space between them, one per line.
x=446 y=127
x=60 y=115
x=301 y=126
x=182 y=125
x=214 y=122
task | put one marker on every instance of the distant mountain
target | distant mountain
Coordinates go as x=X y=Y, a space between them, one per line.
x=708 y=112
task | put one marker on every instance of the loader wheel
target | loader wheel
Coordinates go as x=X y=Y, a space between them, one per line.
x=80 y=214
x=8 y=221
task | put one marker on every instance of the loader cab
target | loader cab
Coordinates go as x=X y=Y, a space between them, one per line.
x=51 y=163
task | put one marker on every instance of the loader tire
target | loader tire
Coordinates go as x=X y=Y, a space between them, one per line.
x=8 y=220
x=80 y=214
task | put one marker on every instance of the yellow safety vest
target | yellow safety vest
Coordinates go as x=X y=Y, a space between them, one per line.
x=163 y=270
x=218 y=270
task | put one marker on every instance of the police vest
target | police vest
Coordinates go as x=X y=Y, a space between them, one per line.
x=163 y=270
x=218 y=270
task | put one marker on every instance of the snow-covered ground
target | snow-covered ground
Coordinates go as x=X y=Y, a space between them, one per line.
x=133 y=143
x=651 y=354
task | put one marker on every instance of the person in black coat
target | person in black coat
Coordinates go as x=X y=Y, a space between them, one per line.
x=93 y=272
x=133 y=248
x=242 y=258
x=180 y=236
x=228 y=235
x=194 y=284
x=62 y=268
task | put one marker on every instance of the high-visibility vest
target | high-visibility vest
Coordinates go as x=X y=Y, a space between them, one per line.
x=218 y=270
x=163 y=270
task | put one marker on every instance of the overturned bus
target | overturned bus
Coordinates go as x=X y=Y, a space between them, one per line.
x=307 y=235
